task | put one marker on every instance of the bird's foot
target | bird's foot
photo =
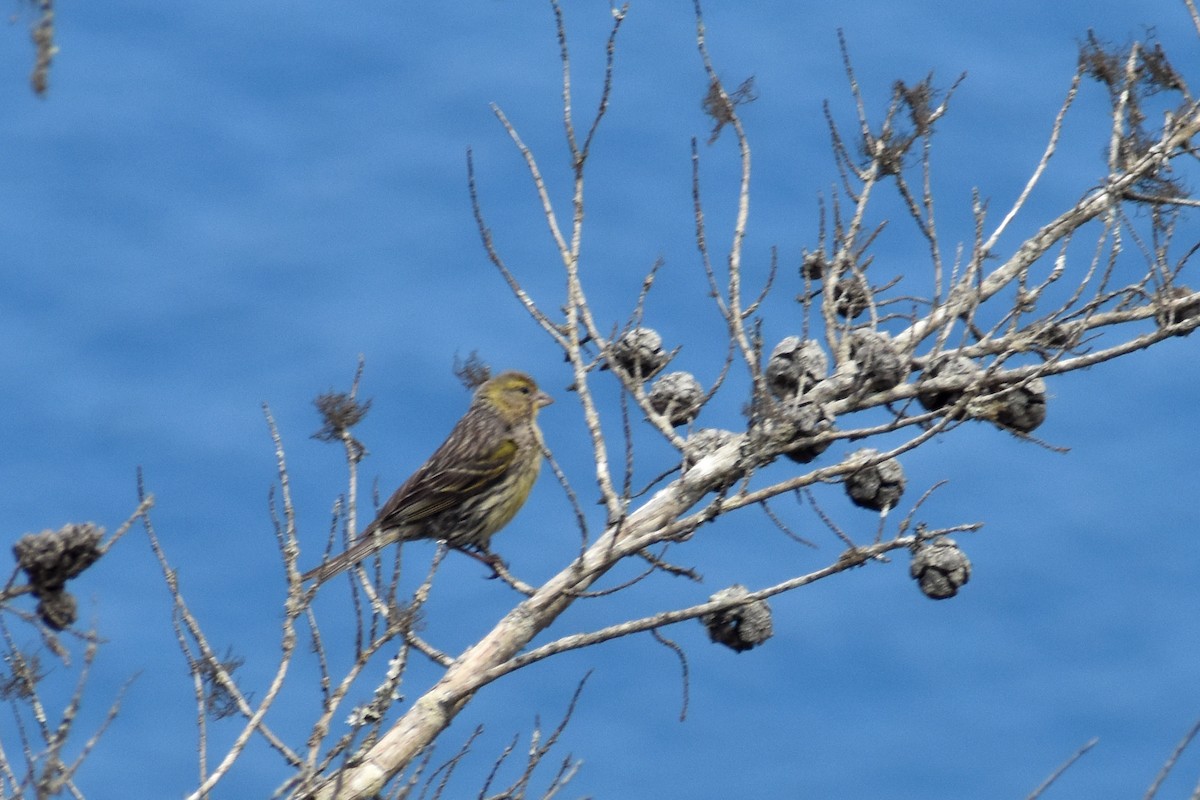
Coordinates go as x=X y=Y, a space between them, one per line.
x=489 y=559
x=499 y=569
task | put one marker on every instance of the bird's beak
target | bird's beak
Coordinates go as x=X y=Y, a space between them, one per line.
x=542 y=399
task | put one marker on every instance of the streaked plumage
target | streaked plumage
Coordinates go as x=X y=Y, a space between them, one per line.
x=472 y=486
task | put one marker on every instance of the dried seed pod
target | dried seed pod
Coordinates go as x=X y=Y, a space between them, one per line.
x=1025 y=408
x=878 y=487
x=940 y=568
x=1171 y=316
x=878 y=362
x=806 y=420
x=640 y=353
x=1061 y=335
x=740 y=627
x=51 y=558
x=784 y=428
x=58 y=609
x=1021 y=409
x=813 y=266
x=706 y=441
x=795 y=366
x=850 y=298
x=839 y=385
x=677 y=396
x=947 y=366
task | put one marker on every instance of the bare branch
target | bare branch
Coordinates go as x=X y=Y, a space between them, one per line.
x=1065 y=766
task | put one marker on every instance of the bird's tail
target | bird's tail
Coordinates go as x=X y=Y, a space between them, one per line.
x=371 y=542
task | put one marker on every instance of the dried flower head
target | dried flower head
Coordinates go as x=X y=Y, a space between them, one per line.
x=473 y=371
x=339 y=413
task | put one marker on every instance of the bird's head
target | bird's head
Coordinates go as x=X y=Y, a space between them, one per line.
x=514 y=395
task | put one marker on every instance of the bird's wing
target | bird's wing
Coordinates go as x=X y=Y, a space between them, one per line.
x=462 y=467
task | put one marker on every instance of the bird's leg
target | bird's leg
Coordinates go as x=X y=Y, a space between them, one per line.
x=499 y=569
x=485 y=556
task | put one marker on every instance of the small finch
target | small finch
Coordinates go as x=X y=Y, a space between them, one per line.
x=472 y=485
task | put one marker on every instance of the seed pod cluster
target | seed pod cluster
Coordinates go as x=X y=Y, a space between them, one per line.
x=785 y=428
x=741 y=627
x=1060 y=335
x=879 y=365
x=1021 y=408
x=706 y=441
x=813 y=266
x=50 y=559
x=639 y=352
x=1170 y=316
x=850 y=297
x=806 y=420
x=677 y=396
x=1025 y=407
x=877 y=487
x=795 y=366
x=948 y=366
x=940 y=569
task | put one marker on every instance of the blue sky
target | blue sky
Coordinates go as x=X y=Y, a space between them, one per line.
x=221 y=204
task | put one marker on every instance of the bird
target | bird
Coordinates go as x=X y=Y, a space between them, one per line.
x=472 y=485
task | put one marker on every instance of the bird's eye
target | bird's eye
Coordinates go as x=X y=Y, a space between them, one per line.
x=523 y=389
